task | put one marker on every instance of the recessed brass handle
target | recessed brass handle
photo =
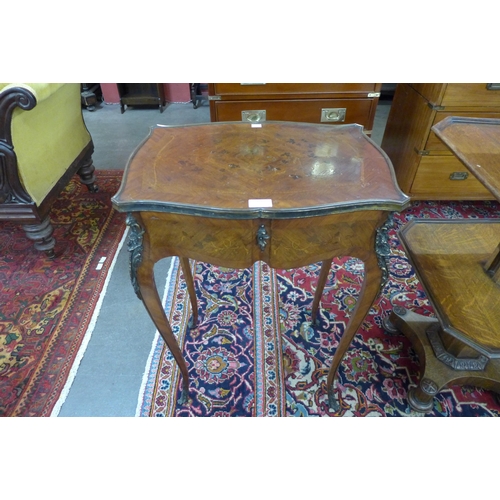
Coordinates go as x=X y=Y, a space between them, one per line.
x=333 y=114
x=459 y=176
x=254 y=115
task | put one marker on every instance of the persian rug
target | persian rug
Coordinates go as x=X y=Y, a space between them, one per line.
x=255 y=352
x=47 y=305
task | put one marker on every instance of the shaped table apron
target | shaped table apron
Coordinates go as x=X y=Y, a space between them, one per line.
x=235 y=243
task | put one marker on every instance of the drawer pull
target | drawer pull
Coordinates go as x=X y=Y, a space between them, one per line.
x=493 y=86
x=459 y=176
x=262 y=237
x=254 y=116
x=333 y=114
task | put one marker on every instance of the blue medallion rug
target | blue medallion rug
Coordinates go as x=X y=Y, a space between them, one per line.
x=255 y=353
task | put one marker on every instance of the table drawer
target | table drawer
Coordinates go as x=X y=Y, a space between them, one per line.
x=434 y=180
x=435 y=144
x=359 y=111
x=254 y=90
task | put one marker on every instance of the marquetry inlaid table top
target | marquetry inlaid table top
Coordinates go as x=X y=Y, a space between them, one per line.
x=274 y=169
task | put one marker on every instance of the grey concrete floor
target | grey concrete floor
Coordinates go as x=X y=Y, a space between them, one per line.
x=109 y=376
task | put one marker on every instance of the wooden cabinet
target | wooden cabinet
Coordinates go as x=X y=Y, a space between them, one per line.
x=138 y=94
x=328 y=103
x=425 y=168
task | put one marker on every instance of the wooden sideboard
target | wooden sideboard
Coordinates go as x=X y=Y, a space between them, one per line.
x=328 y=103
x=425 y=168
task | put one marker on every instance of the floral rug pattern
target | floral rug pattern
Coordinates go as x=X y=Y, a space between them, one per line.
x=374 y=377
x=47 y=304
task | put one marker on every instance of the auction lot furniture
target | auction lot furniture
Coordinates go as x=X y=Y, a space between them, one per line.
x=425 y=168
x=141 y=94
x=231 y=194
x=43 y=143
x=458 y=264
x=330 y=103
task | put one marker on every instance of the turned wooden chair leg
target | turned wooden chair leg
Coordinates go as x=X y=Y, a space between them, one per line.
x=368 y=294
x=87 y=175
x=41 y=235
x=186 y=269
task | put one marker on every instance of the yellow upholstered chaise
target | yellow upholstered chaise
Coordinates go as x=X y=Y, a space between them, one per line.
x=43 y=143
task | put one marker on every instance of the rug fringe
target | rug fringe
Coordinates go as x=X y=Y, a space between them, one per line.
x=147 y=368
x=88 y=333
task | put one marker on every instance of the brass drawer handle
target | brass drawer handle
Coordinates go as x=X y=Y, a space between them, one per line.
x=254 y=116
x=333 y=115
x=459 y=176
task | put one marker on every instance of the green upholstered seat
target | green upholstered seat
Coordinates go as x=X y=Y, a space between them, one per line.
x=43 y=143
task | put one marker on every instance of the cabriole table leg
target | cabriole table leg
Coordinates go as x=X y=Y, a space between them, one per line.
x=368 y=294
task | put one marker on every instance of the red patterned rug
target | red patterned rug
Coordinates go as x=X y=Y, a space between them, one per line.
x=255 y=353
x=47 y=305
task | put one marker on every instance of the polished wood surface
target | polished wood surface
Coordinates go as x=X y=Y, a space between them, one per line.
x=271 y=90
x=298 y=102
x=433 y=180
x=466 y=138
x=458 y=263
x=449 y=257
x=425 y=168
x=460 y=95
x=304 y=169
x=231 y=194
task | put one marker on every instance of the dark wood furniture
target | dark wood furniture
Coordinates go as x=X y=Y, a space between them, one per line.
x=230 y=194
x=198 y=93
x=91 y=94
x=458 y=264
x=140 y=94
x=330 y=103
x=40 y=153
x=425 y=168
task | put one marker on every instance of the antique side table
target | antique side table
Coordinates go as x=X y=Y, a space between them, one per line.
x=230 y=194
x=458 y=264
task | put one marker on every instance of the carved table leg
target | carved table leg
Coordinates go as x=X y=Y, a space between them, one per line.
x=323 y=276
x=41 y=234
x=436 y=364
x=368 y=294
x=87 y=176
x=154 y=306
x=143 y=281
x=186 y=269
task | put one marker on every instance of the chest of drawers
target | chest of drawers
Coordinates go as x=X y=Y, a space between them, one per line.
x=328 y=103
x=424 y=166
